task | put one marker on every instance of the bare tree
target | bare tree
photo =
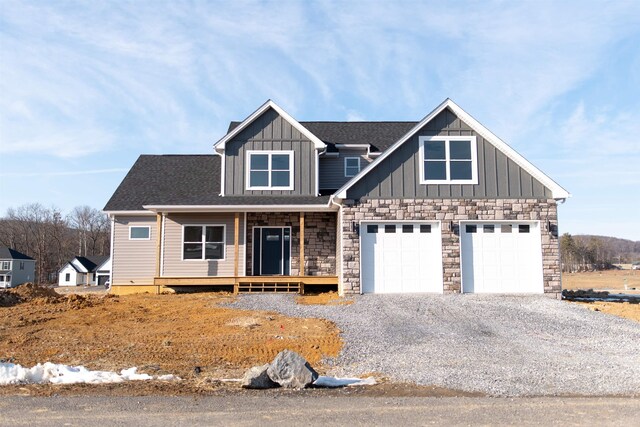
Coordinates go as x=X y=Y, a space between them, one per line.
x=92 y=227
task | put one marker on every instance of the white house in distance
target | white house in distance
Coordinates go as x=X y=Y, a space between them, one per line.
x=15 y=268
x=85 y=271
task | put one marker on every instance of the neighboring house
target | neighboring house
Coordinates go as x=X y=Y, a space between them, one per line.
x=15 y=268
x=439 y=205
x=85 y=271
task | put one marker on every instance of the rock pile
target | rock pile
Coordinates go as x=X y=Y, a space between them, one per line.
x=288 y=369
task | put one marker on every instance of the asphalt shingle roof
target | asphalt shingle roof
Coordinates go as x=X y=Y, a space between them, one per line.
x=380 y=135
x=92 y=262
x=185 y=180
x=8 y=253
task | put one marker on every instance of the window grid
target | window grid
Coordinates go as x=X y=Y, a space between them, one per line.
x=271 y=176
x=201 y=242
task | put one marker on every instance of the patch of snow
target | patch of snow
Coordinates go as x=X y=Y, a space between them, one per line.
x=63 y=374
x=324 y=381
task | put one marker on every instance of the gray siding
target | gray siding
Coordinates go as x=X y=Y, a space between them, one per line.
x=134 y=261
x=332 y=168
x=174 y=266
x=271 y=132
x=398 y=174
x=18 y=276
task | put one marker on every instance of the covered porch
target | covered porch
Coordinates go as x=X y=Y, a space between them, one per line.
x=278 y=251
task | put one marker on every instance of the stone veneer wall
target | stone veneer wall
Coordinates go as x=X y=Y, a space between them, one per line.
x=447 y=210
x=319 y=239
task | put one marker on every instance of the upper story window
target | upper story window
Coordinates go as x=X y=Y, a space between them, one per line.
x=448 y=160
x=5 y=265
x=269 y=170
x=139 y=233
x=351 y=166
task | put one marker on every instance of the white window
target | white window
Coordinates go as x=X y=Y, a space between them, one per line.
x=5 y=265
x=139 y=233
x=200 y=242
x=269 y=170
x=67 y=277
x=351 y=166
x=448 y=160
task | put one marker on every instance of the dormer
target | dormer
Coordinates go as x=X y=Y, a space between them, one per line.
x=269 y=153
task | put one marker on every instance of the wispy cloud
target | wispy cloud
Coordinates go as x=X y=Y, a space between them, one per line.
x=63 y=173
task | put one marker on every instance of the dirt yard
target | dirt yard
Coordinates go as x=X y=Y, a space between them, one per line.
x=177 y=334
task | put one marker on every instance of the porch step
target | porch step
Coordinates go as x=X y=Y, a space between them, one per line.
x=272 y=287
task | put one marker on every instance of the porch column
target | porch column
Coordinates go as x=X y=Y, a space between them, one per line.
x=301 y=244
x=158 y=242
x=236 y=244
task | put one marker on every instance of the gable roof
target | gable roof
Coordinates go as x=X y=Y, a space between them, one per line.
x=91 y=262
x=220 y=145
x=8 y=253
x=556 y=190
x=163 y=181
x=379 y=135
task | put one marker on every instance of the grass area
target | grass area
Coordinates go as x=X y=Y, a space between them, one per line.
x=611 y=280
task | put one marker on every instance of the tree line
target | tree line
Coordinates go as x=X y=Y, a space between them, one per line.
x=586 y=253
x=53 y=239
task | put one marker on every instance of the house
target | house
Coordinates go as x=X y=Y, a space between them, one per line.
x=15 y=268
x=85 y=271
x=441 y=205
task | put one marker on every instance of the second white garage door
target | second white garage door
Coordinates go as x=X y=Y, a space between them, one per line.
x=401 y=257
x=501 y=257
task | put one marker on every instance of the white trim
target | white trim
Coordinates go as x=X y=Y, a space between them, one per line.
x=148 y=227
x=446 y=139
x=253 y=248
x=269 y=153
x=556 y=190
x=239 y=208
x=346 y=159
x=112 y=249
x=162 y=236
x=203 y=242
x=222 y=169
x=221 y=144
x=129 y=213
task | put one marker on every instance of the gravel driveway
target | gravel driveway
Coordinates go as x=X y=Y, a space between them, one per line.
x=499 y=345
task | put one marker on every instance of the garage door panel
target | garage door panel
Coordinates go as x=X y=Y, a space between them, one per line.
x=401 y=257
x=504 y=258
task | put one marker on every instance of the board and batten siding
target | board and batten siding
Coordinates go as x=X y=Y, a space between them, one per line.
x=270 y=132
x=399 y=174
x=332 y=168
x=134 y=261
x=174 y=266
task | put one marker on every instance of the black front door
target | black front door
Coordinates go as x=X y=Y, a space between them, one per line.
x=272 y=251
x=272 y=243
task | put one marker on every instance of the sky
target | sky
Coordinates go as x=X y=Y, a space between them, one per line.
x=87 y=87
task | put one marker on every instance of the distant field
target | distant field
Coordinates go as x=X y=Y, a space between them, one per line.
x=611 y=279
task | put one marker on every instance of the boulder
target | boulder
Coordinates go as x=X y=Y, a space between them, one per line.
x=291 y=370
x=257 y=377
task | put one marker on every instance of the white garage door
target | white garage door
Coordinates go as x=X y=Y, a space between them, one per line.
x=401 y=257
x=501 y=257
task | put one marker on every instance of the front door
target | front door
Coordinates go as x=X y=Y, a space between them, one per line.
x=272 y=251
